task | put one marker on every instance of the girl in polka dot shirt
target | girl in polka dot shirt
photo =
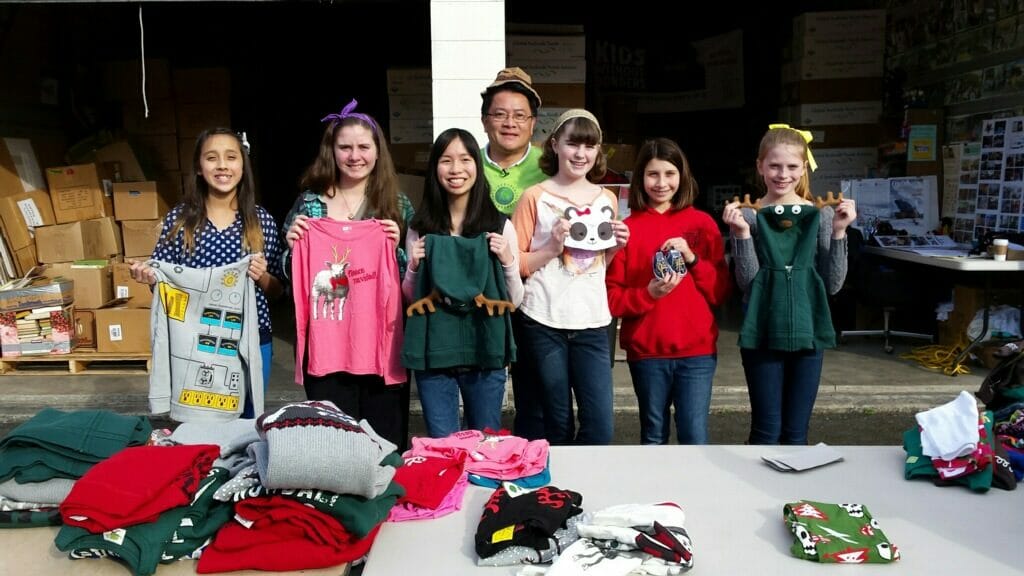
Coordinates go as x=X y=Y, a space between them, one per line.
x=218 y=223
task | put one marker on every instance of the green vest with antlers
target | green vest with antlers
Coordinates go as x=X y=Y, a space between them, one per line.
x=461 y=316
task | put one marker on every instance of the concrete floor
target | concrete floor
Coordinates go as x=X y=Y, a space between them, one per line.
x=866 y=396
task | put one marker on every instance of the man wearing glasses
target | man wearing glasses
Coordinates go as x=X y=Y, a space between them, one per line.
x=511 y=165
x=509 y=114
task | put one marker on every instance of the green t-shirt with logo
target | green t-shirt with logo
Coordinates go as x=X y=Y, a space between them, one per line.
x=507 y=185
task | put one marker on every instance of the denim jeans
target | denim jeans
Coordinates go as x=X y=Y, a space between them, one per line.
x=267 y=353
x=529 y=418
x=685 y=383
x=570 y=363
x=782 y=388
x=482 y=395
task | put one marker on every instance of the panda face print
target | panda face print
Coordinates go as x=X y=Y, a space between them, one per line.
x=590 y=228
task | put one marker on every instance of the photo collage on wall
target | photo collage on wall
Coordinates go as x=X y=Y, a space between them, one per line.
x=991 y=192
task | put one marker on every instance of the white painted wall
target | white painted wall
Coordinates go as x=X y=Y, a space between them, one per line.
x=467 y=49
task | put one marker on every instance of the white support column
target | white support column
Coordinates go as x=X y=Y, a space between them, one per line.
x=467 y=48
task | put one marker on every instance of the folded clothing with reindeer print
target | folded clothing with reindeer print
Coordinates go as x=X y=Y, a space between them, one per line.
x=461 y=314
x=348 y=301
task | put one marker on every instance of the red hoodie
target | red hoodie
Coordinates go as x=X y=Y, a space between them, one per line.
x=681 y=324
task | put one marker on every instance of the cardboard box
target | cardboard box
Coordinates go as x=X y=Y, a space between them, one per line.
x=122 y=330
x=119 y=157
x=160 y=120
x=122 y=79
x=202 y=85
x=194 y=117
x=842 y=66
x=409 y=81
x=520 y=48
x=25 y=259
x=160 y=152
x=46 y=331
x=832 y=90
x=832 y=113
x=410 y=158
x=140 y=237
x=840 y=24
x=139 y=295
x=140 y=200
x=186 y=154
x=846 y=136
x=563 y=95
x=86 y=240
x=22 y=213
x=555 y=71
x=40 y=293
x=93 y=285
x=19 y=169
x=967 y=300
x=85 y=329
x=80 y=192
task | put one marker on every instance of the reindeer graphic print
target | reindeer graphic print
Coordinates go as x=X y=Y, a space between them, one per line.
x=330 y=286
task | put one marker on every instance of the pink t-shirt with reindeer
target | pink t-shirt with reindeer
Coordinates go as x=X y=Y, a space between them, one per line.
x=348 y=301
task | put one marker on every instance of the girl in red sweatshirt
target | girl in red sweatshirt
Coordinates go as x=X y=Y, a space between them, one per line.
x=668 y=326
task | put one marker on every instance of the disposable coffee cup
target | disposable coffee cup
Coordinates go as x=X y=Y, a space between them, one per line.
x=999 y=248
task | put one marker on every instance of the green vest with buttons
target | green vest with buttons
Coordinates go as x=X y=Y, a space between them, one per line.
x=788 y=307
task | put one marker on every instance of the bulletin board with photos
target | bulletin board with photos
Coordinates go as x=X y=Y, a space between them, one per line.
x=990 y=197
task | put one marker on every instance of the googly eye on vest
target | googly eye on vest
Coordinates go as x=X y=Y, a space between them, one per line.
x=780 y=209
x=796 y=209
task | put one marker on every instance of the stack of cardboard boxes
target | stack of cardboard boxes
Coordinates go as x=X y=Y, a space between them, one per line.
x=88 y=246
x=832 y=86
x=558 y=67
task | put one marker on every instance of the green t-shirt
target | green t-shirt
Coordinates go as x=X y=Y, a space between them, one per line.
x=507 y=185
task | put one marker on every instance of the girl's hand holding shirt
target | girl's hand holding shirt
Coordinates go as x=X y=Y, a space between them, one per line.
x=500 y=247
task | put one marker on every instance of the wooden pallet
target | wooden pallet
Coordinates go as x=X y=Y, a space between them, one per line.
x=81 y=361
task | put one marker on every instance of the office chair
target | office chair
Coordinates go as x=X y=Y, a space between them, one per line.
x=879 y=282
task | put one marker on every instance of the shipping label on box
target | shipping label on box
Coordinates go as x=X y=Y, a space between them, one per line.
x=22 y=213
x=138 y=294
x=41 y=293
x=139 y=200
x=80 y=192
x=122 y=330
x=37 y=331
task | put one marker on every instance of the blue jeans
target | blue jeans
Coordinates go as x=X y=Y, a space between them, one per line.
x=661 y=383
x=571 y=363
x=529 y=418
x=782 y=388
x=267 y=353
x=482 y=395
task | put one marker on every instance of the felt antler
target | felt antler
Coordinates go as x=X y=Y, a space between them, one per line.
x=755 y=205
x=501 y=306
x=426 y=301
x=829 y=200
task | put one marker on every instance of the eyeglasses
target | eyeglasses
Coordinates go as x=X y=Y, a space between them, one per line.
x=518 y=117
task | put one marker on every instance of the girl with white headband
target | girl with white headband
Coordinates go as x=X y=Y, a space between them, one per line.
x=567 y=234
